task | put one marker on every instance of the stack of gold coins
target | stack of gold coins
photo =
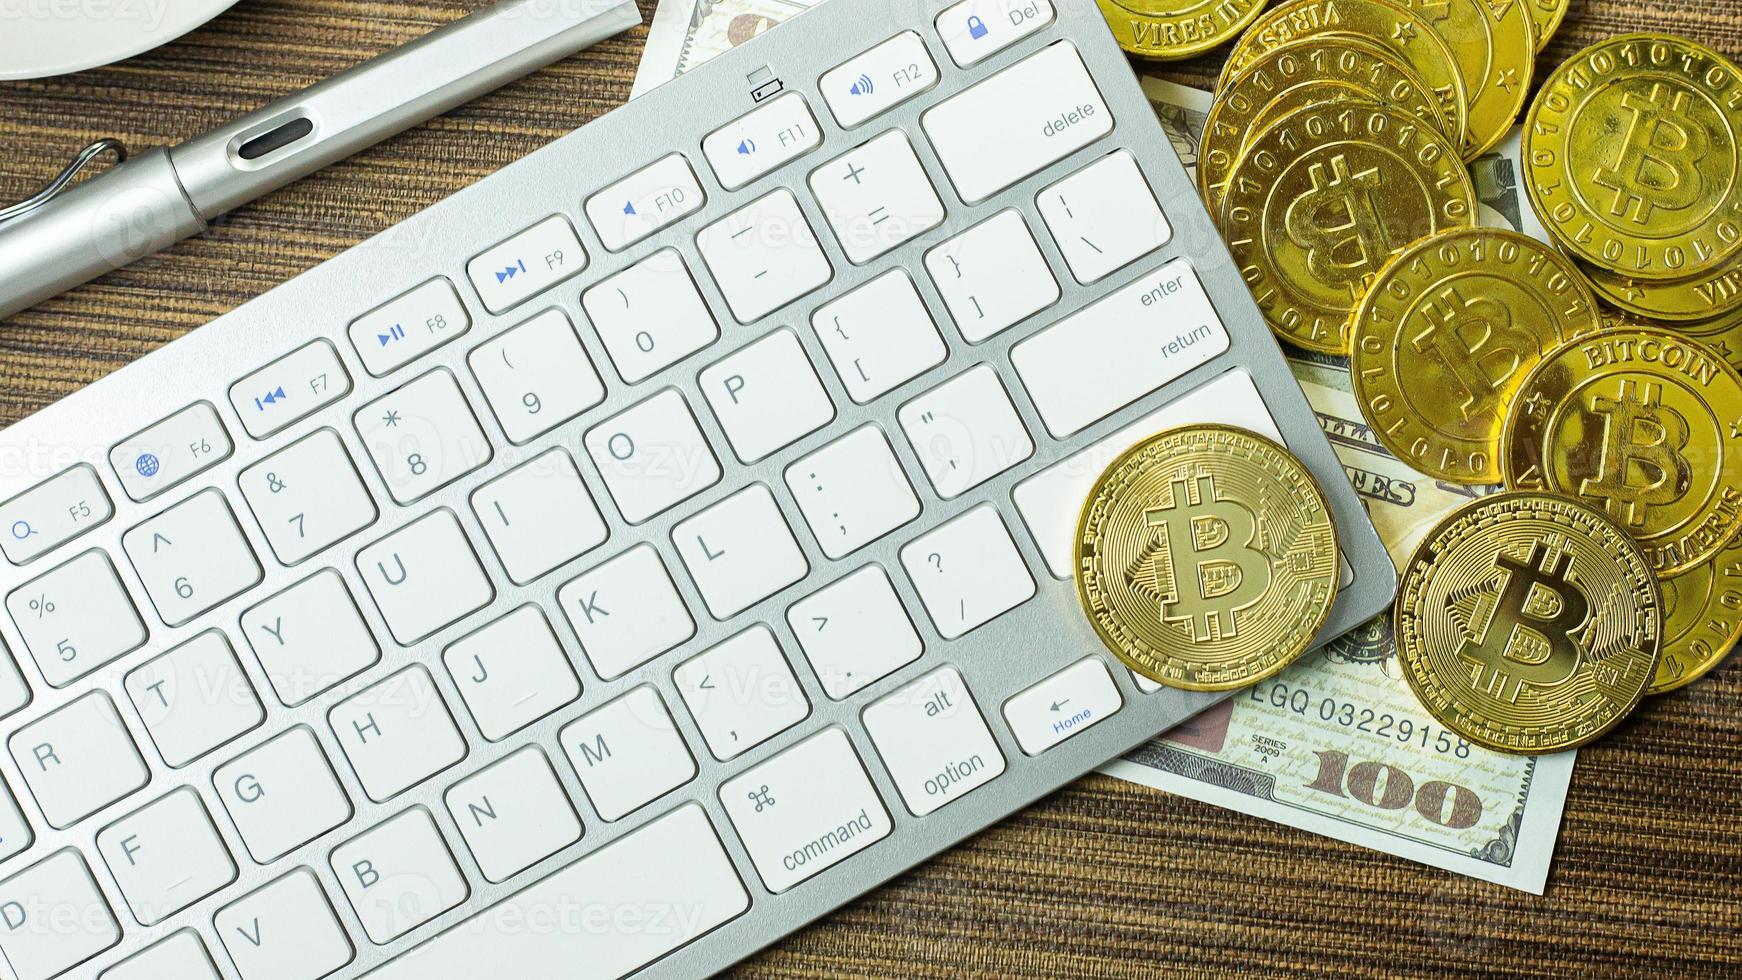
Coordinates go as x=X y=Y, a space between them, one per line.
x=1593 y=377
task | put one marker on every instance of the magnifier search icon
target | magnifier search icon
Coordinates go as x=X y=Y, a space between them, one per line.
x=22 y=530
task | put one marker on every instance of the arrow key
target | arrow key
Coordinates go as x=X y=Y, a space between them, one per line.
x=192 y=557
x=1062 y=705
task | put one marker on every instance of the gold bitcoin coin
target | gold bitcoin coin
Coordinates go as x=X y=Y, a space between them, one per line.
x=1631 y=157
x=1207 y=558
x=1448 y=331
x=1296 y=76
x=1701 y=298
x=1495 y=51
x=1165 y=30
x=1722 y=336
x=1545 y=19
x=1528 y=623
x=1642 y=424
x=1702 y=620
x=1405 y=33
x=1323 y=198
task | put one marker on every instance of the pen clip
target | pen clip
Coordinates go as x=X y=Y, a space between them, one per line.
x=66 y=176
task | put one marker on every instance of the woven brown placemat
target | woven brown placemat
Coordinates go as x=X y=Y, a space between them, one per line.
x=1104 y=879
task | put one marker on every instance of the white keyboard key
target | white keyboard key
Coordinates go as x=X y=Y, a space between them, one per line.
x=992 y=276
x=78 y=759
x=1104 y=217
x=424 y=577
x=76 y=618
x=739 y=551
x=14 y=692
x=764 y=255
x=805 y=810
x=423 y=436
x=975 y=30
x=166 y=856
x=405 y=328
x=285 y=930
x=854 y=632
x=650 y=315
x=872 y=83
x=513 y=814
x=194 y=698
x=674 y=862
x=652 y=456
x=766 y=395
x=1017 y=122
x=876 y=197
x=397 y=733
x=1135 y=341
x=180 y=957
x=539 y=516
x=53 y=917
x=164 y=454
x=741 y=692
x=1062 y=705
x=932 y=739
x=1051 y=501
x=310 y=637
x=52 y=513
x=967 y=572
x=281 y=794
x=965 y=431
x=398 y=875
x=645 y=201
x=626 y=612
x=627 y=753
x=536 y=376
x=852 y=491
x=879 y=336
x=512 y=673
x=307 y=496
x=192 y=557
x=532 y=261
x=779 y=130
x=15 y=833
x=291 y=388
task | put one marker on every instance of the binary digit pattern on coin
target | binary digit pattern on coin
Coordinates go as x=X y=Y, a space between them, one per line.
x=1207 y=558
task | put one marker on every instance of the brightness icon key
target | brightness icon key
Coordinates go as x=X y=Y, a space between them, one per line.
x=528 y=263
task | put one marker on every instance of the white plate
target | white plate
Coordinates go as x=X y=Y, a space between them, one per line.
x=39 y=38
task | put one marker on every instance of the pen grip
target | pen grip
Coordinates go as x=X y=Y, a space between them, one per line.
x=128 y=212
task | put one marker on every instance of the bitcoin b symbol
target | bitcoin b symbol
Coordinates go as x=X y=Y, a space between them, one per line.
x=1659 y=161
x=1225 y=572
x=1640 y=435
x=1461 y=335
x=1529 y=636
x=1338 y=223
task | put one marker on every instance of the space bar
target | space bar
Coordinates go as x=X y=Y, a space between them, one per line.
x=607 y=915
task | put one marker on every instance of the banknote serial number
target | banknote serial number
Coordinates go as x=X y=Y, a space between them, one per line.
x=1383 y=724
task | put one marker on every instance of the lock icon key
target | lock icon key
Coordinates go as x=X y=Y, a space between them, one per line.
x=976 y=28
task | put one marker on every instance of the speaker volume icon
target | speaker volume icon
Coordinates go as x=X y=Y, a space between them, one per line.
x=863 y=86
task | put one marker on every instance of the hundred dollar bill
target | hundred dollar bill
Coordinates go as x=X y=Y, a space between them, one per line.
x=1337 y=744
x=686 y=33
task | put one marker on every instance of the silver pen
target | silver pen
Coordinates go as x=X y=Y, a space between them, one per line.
x=157 y=198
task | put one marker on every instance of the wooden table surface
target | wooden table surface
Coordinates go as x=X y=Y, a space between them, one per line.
x=1103 y=879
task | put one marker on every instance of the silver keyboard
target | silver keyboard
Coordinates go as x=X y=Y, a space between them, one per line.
x=638 y=554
